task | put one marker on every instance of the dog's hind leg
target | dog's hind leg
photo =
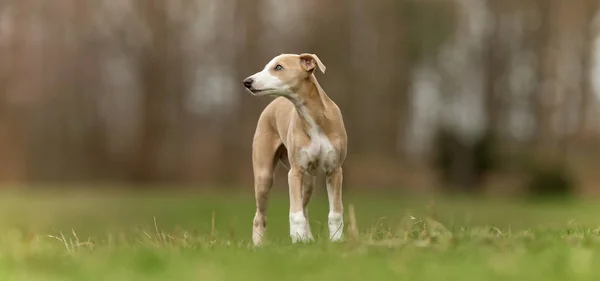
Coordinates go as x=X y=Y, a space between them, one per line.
x=263 y=162
x=334 y=180
x=308 y=185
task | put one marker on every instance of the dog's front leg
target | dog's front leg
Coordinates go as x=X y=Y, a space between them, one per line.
x=336 y=208
x=298 y=222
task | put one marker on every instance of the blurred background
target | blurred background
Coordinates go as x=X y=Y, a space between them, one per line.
x=458 y=96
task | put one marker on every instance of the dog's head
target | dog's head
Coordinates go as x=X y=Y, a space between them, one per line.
x=283 y=75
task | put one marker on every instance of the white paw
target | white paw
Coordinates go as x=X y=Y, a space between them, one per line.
x=336 y=226
x=259 y=228
x=258 y=237
x=299 y=228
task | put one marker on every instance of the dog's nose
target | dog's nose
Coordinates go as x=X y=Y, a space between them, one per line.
x=248 y=82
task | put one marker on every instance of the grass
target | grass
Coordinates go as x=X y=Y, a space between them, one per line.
x=178 y=236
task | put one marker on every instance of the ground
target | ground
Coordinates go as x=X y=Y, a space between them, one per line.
x=66 y=235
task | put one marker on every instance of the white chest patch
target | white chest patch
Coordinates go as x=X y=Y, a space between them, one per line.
x=320 y=153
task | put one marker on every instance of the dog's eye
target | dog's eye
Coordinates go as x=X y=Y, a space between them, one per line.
x=278 y=67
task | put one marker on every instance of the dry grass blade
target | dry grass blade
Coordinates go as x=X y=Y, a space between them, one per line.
x=62 y=236
x=158 y=234
x=352 y=225
x=212 y=227
x=145 y=233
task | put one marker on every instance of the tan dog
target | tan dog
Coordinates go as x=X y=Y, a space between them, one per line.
x=304 y=130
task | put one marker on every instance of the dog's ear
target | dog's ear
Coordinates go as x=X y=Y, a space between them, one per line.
x=310 y=61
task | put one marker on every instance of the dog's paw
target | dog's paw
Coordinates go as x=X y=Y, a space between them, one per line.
x=299 y=228
x=336 y=226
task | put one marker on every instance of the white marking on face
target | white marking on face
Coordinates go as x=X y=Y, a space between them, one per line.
x=298 y=227
x=336 y=226
x=267 y=83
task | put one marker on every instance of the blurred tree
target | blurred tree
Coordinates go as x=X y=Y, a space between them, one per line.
x=160 y=68
x=588 y=96
x=545 y=93
x=149 y=91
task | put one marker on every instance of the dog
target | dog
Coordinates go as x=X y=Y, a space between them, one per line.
x=303 y=129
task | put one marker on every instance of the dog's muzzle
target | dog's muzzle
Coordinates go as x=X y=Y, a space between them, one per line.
x=248 y=83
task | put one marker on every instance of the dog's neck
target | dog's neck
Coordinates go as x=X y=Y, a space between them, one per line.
x=311 y=103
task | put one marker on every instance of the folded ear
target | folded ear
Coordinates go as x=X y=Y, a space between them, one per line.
x=310 y=61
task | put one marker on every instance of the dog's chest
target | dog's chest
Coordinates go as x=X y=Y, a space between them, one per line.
x=318 y=155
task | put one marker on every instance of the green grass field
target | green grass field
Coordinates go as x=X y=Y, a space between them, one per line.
x=169 y=236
